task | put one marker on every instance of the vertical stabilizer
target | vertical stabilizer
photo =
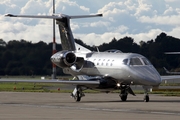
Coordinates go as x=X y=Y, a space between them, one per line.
x=67 y=39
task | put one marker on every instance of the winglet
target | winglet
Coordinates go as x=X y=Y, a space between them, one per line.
x=10 y=15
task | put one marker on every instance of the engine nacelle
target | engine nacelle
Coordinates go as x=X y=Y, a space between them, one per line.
x=69 y=58
x=65 y=59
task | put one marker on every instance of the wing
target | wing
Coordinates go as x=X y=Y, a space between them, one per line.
x=78 y=82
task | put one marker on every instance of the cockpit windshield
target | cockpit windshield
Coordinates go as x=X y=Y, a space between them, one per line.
x=136 y=61
x=146 y=62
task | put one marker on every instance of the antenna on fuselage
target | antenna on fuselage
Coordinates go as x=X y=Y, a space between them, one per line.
x=97 y=49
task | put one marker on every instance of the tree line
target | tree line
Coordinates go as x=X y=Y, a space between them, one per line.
x=27 y=58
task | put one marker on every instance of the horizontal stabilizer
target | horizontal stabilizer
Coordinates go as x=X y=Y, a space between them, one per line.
x=55 y=16
x=85 y=16
x=35 y=16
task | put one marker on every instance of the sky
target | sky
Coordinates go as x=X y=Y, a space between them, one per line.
x=142 y=20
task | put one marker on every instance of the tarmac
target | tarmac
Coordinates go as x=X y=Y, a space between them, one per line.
x=94 y=106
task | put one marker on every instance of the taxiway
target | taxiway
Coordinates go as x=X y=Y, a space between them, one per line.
x=56 y=106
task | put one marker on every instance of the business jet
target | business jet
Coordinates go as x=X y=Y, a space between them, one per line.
x=104 y=71
x=168 y=72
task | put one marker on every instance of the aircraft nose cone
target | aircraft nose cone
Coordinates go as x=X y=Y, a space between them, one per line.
x=147 y=75
x=153 y=76
x=156 y=77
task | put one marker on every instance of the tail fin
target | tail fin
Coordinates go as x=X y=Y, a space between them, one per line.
x=63 y=21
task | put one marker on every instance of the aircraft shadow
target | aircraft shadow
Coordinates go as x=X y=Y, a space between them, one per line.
x=129 y=101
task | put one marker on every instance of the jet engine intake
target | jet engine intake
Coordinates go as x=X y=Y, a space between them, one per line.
x=69 y=58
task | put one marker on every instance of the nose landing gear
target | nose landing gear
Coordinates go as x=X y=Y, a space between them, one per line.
x=146 y=95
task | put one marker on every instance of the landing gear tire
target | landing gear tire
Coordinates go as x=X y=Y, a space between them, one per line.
x=146 y=98
x=123 y=94
x=77 y=97
x=123 y=97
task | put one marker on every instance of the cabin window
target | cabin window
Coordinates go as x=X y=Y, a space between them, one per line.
x=106 y=64
x=112 y=62
x=135 y=61
x=125 y=61
x=99 y=61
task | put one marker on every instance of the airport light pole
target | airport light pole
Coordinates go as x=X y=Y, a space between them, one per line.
x=54 y=44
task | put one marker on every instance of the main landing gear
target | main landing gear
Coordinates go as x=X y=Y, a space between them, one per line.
x=123 y=94
x=125 y=89
x=77 y=94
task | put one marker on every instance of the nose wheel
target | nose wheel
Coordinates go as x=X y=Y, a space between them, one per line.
x=146 y=98
x=146 y=90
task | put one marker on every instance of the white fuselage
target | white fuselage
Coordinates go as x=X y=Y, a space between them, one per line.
x=128 y=68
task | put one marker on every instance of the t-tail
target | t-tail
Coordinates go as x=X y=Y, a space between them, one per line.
x=63 y=21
